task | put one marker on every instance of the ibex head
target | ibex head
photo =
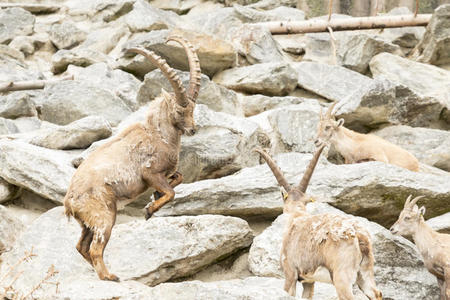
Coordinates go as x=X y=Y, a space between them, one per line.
x=327 y=126
x=181 y=104
x=294 y=197
x=409 y=218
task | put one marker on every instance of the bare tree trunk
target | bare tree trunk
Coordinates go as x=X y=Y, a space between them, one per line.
x=346 y=24
x=28 y=85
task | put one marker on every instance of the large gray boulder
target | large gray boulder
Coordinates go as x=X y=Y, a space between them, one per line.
x=434 y=48
x=13 y=22
x=249 y=14
x=66 y=35
x=367 y=103
x=104 y=39
x=79 y=134
x=373 y=190
x=17 y=105
x=399 y=270
x=45 y=172
x=10 y=228
x=430 y=146
x=356 y=51
x=440 y=223
x=214 y=54
x=256 y=104
x=7 y=126
x=250 y=288
x=82 y=57
x=13 y=66
x=291 y=128
x=120 y=83
x=273 y=79
x=216 y=97
x=7 y=191
x=424 y=79
x=150 y=252
x=68 y=101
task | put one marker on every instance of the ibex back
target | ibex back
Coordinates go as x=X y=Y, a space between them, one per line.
x=142 y=156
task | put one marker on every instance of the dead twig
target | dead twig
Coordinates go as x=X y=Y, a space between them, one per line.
x=50 y=273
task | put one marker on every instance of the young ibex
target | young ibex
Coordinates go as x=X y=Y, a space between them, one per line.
x=434 y=246
x=356 y=147
x=142 y=156
x=325 y=247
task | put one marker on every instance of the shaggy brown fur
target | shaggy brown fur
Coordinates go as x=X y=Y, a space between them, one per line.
x=356 y=147
x=434 y=246
x=325 y=247
x=142 y=156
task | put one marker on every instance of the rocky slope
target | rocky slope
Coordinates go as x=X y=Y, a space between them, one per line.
x=220 y=237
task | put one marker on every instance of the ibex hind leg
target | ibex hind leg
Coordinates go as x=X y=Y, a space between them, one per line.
x=99 y=242
x=175 y=180
x=85 y=242
x=343 y=282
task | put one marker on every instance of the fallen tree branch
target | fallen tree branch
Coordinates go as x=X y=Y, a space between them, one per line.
x=29 y=85
x=346 y=24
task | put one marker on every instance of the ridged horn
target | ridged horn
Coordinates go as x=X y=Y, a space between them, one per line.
x=194 y=66
x=303 y=185
x=407 y=201
x=275 y=169
x=414 y=201
x=170 y=73
x=330 y=110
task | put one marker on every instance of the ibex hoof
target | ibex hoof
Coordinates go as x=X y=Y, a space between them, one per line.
x=111 y=277
x=148 y=214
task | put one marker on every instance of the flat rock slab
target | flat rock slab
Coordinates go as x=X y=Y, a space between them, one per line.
x=150 y=252
x=399 y=270
x=79 y=134
x=373 y=190
x=430 y=146
x=15 y=21
x=424 y=79
x=272 y=79
x=256 y=104
x=440 y=223
x=45 y=172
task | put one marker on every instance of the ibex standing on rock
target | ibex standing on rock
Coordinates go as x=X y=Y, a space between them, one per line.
x=325 y=247
x=356 y=147
x=142 y=156
x=434 y=246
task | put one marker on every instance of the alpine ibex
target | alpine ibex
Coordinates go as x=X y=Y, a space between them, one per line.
x=325 y=247
x=356 y=147
x=141 y=156
x=434 y=246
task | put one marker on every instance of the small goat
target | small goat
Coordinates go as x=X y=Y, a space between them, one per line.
x=325 y=247
x=434 y=246
x=142 y=156
x=356 y=147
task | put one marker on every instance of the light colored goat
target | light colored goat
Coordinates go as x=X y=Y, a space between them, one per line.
x=324 y=247
x=141 y=156
x=434 y=246
x=356 y=147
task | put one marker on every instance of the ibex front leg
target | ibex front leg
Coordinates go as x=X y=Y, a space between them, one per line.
x=160 y=183
x=175 y=180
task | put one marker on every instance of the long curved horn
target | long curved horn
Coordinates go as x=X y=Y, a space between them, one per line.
x=194 y=66
x=303 y=185
x=330 y=109
x=408 y=201
x=275 y=170
x=414 y=201
x=170 y=73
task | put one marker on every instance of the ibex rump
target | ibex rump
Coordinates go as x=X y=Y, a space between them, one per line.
x=434 y=246
x=356 y=147
x=142 y=156
x=325 y=247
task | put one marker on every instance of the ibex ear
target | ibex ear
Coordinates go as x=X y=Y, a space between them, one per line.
x=422 y=211
x=284 y=193
x=340 y=122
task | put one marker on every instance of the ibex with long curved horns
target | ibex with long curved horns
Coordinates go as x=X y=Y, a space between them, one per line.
x=142 y=156
x=356 y=147
x=325 y=247
x=434 y=246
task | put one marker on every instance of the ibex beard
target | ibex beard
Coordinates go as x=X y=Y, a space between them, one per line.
x=144 y=155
